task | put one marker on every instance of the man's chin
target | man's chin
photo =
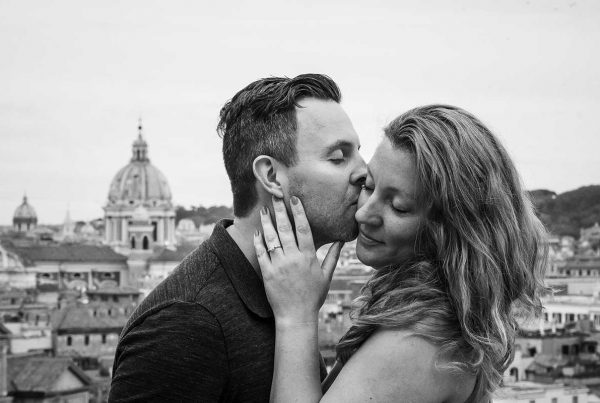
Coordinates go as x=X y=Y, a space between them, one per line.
x=349 y=235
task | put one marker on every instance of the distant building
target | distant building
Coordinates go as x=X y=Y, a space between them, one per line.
x=25 y=218
x=13 y=273
x=561 y=310
x=80 y=267
x=18 y=305
x=23 y=337
x=528 y=392
x=187 y=232
x=591 y=234
x=582 y=266
x=89 y=332
x=139 y=213
x=33 y=379
x=119 y=295
x=566 y=357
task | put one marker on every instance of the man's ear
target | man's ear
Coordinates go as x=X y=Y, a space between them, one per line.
x=265 y=170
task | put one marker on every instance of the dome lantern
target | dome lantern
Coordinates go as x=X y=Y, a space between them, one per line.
x=140 y=147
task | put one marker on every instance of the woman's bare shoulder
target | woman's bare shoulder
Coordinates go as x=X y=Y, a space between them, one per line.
x=396 y=365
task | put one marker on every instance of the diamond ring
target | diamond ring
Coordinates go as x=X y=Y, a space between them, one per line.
x=272 y=248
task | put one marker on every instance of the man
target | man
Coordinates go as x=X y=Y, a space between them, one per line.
x=207 y=332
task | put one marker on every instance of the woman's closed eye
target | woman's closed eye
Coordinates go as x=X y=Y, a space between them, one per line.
x=399 y=209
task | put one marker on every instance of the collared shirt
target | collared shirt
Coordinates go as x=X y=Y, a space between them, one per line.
x=205 y=334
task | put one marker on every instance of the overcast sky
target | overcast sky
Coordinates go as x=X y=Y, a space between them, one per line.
x=76 y=75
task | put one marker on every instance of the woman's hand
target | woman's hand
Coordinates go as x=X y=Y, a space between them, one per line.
x=295 y=283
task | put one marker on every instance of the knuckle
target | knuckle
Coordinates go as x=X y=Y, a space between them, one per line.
x=303 y=228
x=270 y=238
x=284 y=227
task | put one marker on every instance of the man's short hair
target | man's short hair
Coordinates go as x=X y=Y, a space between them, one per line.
x=261 y=120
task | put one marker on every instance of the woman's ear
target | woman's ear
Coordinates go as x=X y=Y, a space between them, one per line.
x=265 y=170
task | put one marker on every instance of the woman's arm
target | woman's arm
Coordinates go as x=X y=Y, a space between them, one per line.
x=296 y=285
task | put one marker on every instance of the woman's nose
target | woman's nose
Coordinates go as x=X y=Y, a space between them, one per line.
x=368 y=213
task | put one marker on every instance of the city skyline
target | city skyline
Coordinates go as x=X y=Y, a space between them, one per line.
x=77 y=78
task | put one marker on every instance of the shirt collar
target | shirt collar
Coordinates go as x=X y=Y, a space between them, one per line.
x=242 y=275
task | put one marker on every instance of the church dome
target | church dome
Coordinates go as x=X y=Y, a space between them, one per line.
x=139 y=181
x=25 y=211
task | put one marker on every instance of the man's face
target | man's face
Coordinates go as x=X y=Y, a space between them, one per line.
x=329 y=170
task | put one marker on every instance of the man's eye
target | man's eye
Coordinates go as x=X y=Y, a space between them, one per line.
x=337 y=156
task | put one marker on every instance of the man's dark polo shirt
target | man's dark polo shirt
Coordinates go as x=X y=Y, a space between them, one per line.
x=205 y=334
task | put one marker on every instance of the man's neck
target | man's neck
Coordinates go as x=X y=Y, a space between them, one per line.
x=242 y=233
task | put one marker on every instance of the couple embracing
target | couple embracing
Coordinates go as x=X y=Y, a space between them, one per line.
x=439 y=212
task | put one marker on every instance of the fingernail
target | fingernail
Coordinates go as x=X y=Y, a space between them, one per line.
x=256 y=232
x=295 y=200
x=264 y=210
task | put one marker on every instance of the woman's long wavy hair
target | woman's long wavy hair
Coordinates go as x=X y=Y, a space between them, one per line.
x=480 y=254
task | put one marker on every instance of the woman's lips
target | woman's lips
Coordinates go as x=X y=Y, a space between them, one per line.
x=367 y=240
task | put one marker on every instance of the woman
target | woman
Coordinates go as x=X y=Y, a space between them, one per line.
x=457 y=248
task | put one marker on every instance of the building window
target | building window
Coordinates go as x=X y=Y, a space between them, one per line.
x=86 y=340
x=554 y=400
x=103 y=339
x=575 y=399
x=69 y=340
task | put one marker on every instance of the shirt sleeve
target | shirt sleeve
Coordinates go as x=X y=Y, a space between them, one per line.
x=175 y=354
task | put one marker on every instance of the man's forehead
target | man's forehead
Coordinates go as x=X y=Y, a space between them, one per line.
x=324 y=122
x=319 y=113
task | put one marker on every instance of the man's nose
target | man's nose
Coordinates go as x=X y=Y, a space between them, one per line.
x=359 y=173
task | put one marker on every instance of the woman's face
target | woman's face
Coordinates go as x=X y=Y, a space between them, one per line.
x=388 y=215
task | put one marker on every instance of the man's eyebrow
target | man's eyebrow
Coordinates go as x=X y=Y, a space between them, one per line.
x=339 y=144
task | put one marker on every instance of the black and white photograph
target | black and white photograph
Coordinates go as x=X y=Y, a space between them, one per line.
x=300 y=201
